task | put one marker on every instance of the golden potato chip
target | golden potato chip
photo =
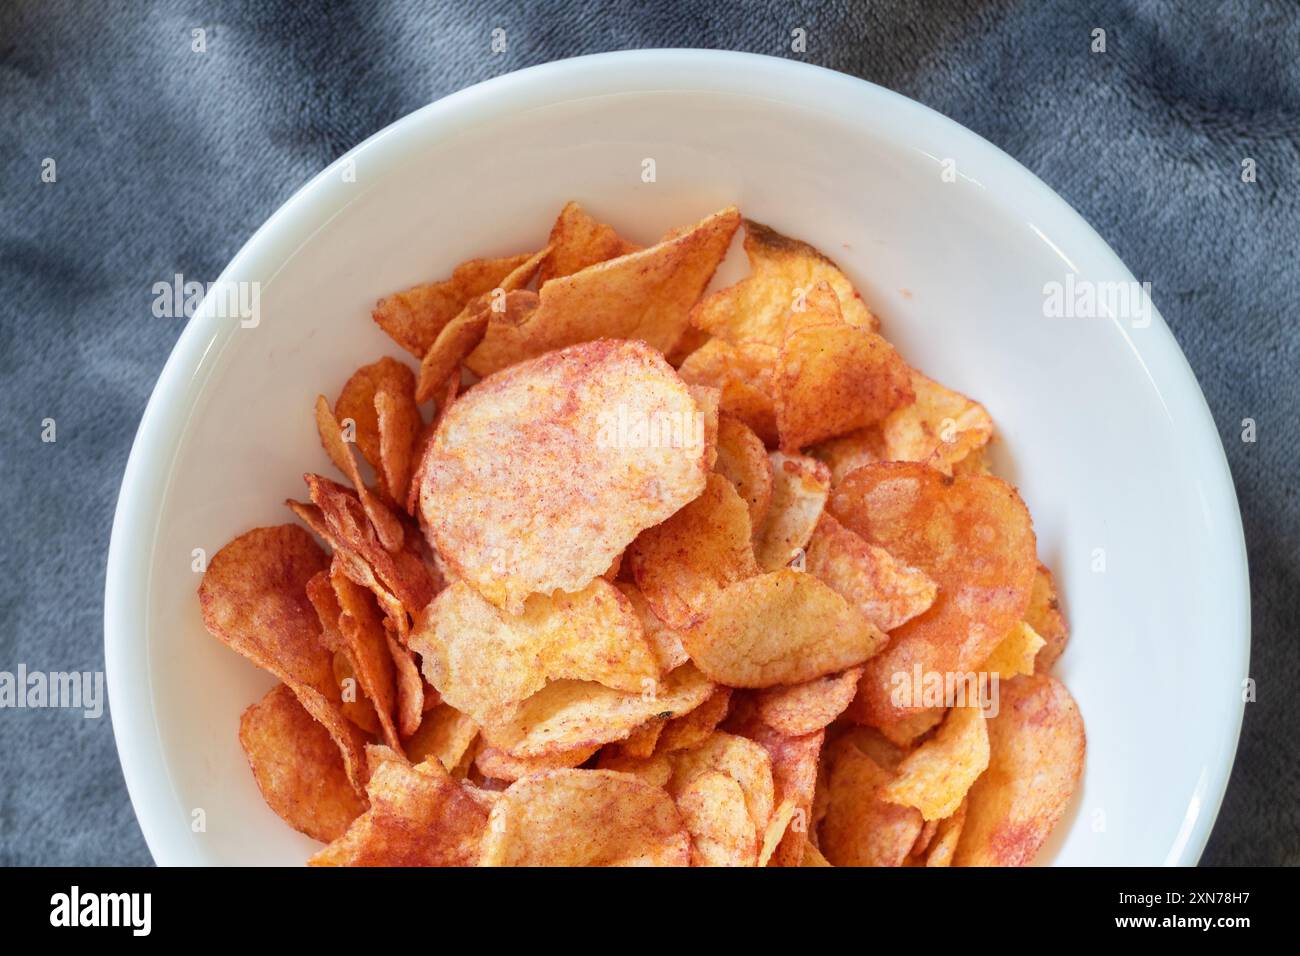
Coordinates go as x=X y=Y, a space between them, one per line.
x=462 y=335
x=886 y=592
x=1036 y=748
x=800 y=486
x=568 y=714
x=739 y=758
x=663 y=640
x=860 y=828
x=499 y=765
x=782 y=818
x=385 y=442
x=973 y=536
x=444 y=734
x=578 y=241
x=941 y=426
x=446 y=395
x=744 y=373
x=848 y=452
x=254 y=600
x=806 y=708
x=722 y=833
x=642 y=741
x=410 y=687
x=645 y=295
x=683 y=564
x=813 y=857
x=1015 y=653
x=905 y=730
x=414 y=318
x=936 y=776
x=485 y=662
x=540 y=476
x=782 y=271
x=743 y=461
x=298 y=766
x=656 y=770
x=928 y=830
x=585 y=818
x=832 y=377
x=387 y=526
x=418 y=816
x=783 y=627
x=693 y=728
x=946 y=837
x=367 y=643
x=707 y=400
x=1045 y=617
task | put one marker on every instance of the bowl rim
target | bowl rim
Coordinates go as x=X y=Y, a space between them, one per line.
x=185 y=374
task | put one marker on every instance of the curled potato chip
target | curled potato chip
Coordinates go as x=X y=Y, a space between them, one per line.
x=946 y=837
x=585 y=818
x=384 y=438
x=813 y=857
x=254 y=600
x=444 y=734
x=693 y=728
x=540 y=476
x=782 y=271
x=1015 y=653
x=446 y=395
x=902 y=732
x=777 y=827
x=806 y=708
x=800 y=486
x=887 y=592
x=783 y=627
x=1036 y=748
x=972 y=535
x=568 y=714
x=743 y=461
x=410 y=687
x=848 y=452
x=722 y=833
x=418 y=816
x=656 y=770
x=463 y=334
x=645 y=295
x=298 y=767
x=743 y=373
x=642 y=741
x=941 y=427
x=833 y=377
x=1045 y=617
x=739 y=758
x=707 y=400
x=860 y=828
x=386 y=524
x=577 y=241
x=499 y=765
x=682 y=564
x=665 y=643
x=936 y=776
x=485 y=662
x=367 y=643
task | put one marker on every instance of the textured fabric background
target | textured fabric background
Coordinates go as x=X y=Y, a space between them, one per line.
x=167 y=160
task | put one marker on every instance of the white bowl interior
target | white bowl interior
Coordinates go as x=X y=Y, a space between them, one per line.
x=1101 y=424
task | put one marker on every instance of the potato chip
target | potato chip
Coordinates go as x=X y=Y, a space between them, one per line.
x=813 y=857
x=413 y=318
x=744 y=373
x=707 y=400
x=568 y=714
x=462 y=335
x=936 y=776
x=418 y=816
x=1036 y=748
x=254 y=600
x=1015 y=653
x=585 y=818
x=446 y=395
x=782 y=271
x=499 y=765
x=410 y=687
x=540 y=476
x=655 y=770
x=860 y=828
x=722 y=833
x=946 y=837
x=683 y=564
x=578 y=241
x=800 y=486
x=848 y=452
x=298 y=766
x=665 y=643
x=782 y=627
x=941 y=426
x=806 y=708
x=904 y=731
x=972 y=535
x=356 y=706
x=485 y=662
x=387 y=527
x=642 y=741
x=645 y=295
x=1045 y=617
x=739 y=758
x=444 y=734
x=693 y=728
x=886 y=592
x=363 y=632
x=777 y=827
x=832 y=377
x=384 y=441
x=928 y=830
x=743 y=461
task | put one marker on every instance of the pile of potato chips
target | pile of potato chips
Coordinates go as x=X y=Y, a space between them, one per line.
x=646 y=591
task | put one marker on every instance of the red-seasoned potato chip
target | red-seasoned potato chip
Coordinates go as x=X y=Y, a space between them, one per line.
x=540 y=476
x=946 y=837
x=684 y=563
x=410 y=687
x=577 y=241
x=692 y=729
x=386 y=524
x=722 y=833
x=941 y=427
x=447 y=393
x=800 y=486
x=656 y=770
x=1036 y=748
x=707 y=401
x=905 y=730
x=847 y=452
x=806 y=708
x=414 y=318
x=418 y=816
x=585 y=818
x=499 y=765
x=887 y=592
x=782 y=271
x=861 y=828
x=743 y=373
x=641 y=742
x=485 y=662
x=444 y=734
x=936 y=776
x=298 y=767
x=783 y=818
x=386 y=443
x=645 y=295
x=743 y=461
x=783 y=627
x=1045 y=617
x=665 y=643
x=972 y=535
x=463 y=334
x=363 y=632
x=1015 y=653
x=739 y=758
x=832 y=377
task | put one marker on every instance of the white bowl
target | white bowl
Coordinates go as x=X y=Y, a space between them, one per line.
x=1103 y=426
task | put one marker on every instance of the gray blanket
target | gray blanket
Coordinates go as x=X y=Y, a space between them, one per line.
x=166 y=160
